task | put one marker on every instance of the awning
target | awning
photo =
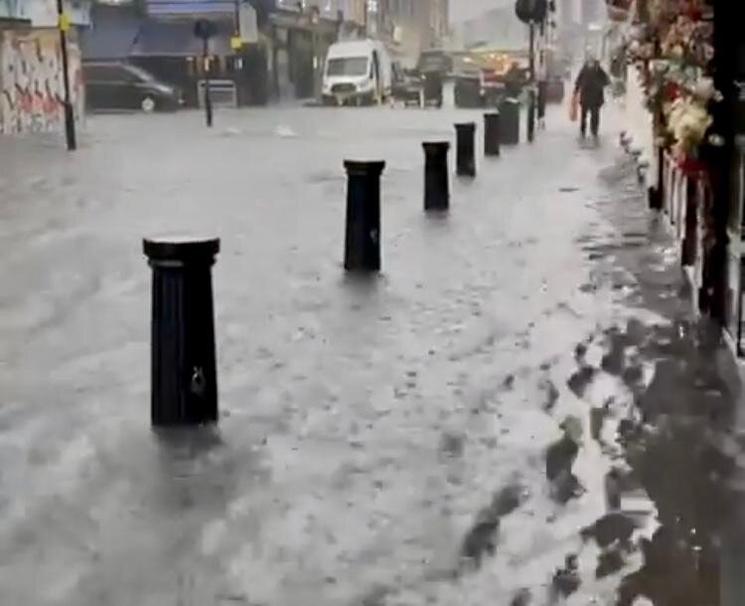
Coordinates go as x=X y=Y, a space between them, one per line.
x=112 y=33
x=176 y=38
x=184 y=8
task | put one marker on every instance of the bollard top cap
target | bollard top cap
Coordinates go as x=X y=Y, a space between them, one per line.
x=364 y=167
x=491 y=114
x=181 y=248
x=439 y=145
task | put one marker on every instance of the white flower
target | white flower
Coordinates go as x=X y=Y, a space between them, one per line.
x=704 y=89
x=688 y=122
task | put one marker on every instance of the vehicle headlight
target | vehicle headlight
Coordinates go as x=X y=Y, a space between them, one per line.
x=164 y=88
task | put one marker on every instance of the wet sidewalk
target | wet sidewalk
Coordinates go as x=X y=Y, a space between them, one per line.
x=665 y=408
x=521 y=409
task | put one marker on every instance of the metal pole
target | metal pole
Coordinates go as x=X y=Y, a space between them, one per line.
x=531 y=90
x=207 y=97
x=69 y=113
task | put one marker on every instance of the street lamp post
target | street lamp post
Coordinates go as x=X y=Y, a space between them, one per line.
x=64 y=26
x=204 y=30
x=207 y=92
x=532 y=12
x=531 y=91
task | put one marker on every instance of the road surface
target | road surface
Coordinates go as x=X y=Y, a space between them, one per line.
x=520 y=409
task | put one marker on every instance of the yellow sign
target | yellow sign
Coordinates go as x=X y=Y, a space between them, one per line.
x=64 y=22
x=236 y=43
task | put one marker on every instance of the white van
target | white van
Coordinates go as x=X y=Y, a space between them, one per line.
x=357 y=72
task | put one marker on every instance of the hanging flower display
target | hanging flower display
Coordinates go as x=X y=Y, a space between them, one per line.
x=672 y=46
x=688 y=120
x=618 y=10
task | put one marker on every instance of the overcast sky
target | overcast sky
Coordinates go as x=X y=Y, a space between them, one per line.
x=464 y=9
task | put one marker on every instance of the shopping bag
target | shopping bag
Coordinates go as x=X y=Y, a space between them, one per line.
x=574 y=107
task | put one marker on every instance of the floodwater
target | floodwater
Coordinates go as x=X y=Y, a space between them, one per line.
x=521 y=409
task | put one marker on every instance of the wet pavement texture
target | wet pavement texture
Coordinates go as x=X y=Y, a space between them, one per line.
x=521 y=409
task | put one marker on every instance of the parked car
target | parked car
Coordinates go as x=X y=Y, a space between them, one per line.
x=478 y=89
x=494 y=87
x=407 y=86
x=435 y=61
x=434 y=66
x=483 y=78
x=113 y=85
x=468 y=90
x=357 y=72
x=433 y=86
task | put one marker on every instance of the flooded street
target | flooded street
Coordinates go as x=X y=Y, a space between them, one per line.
x=521 y=409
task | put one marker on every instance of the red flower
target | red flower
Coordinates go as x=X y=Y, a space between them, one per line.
x=690 y=166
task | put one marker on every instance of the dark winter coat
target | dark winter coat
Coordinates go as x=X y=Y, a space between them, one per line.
x=590 y=85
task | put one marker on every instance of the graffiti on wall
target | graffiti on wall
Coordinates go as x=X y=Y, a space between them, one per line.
x=31 y=84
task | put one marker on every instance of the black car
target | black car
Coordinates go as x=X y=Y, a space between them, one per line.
x=407 y=86
x=435 y=61
x=432 y=84
x=125 y=86
x=468 y=91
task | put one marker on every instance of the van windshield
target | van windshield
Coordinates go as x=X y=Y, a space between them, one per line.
x=347 y=66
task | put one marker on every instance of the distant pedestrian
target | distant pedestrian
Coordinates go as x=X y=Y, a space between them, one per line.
x=590 y=87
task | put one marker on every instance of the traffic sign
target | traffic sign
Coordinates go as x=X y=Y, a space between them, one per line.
x=204 y=29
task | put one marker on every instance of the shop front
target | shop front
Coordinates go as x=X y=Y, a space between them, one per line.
x=164 y=44
x=170 y=51
x=299 y=44
x=690 y=55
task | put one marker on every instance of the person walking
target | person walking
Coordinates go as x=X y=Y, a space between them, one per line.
x=590 y=87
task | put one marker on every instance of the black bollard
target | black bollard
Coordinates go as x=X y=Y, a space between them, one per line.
x=491 y=134
x=509 y=121
x=362 y=241
x=436 y=187
x=184 y=377
x=465 y=135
